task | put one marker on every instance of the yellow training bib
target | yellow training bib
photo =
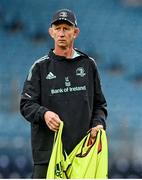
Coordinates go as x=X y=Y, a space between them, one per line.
x=85 y=161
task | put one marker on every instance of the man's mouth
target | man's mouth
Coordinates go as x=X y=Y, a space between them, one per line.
x=62 y=40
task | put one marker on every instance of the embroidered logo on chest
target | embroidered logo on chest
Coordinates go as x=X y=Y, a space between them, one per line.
x=80 y=72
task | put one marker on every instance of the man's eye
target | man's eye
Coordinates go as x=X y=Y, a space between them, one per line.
x=56 y=27
x=66 y=28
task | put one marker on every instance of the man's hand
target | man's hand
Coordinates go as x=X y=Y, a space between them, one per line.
x=94 y=133
x=52 y=120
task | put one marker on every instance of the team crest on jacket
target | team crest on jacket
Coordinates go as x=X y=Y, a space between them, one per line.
x=80 y=72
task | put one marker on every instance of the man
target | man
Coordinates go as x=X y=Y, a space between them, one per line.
x=63 y=86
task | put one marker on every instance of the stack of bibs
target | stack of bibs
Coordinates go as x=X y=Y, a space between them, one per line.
x=85 y=161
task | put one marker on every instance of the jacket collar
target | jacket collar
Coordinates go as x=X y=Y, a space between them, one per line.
x=63 y=58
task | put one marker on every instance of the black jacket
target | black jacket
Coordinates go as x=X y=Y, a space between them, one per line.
x=69 y=87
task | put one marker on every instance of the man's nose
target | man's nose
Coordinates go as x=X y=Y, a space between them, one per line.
x=61 y=32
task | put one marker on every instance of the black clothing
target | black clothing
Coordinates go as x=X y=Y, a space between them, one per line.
x=69 y=87
x=39 y=171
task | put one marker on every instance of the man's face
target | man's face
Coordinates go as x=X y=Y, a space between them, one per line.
x=63 y=34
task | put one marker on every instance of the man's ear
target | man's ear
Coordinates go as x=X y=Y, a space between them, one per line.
x=50 y=30
x=76 y=32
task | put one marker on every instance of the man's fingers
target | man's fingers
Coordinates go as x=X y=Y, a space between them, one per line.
x=52 y=120
x=53 y=128
x=53 y=124
x=95 y=130
x=93 y=134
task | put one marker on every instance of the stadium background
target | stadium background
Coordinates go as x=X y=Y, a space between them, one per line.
x=111 y=31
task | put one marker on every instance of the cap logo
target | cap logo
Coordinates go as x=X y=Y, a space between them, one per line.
x=63 y=14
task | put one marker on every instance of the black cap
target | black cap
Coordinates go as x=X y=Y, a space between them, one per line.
x=64 y=15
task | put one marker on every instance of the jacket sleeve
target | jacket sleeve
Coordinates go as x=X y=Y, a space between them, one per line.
x=99 y=114
x=30 y=106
